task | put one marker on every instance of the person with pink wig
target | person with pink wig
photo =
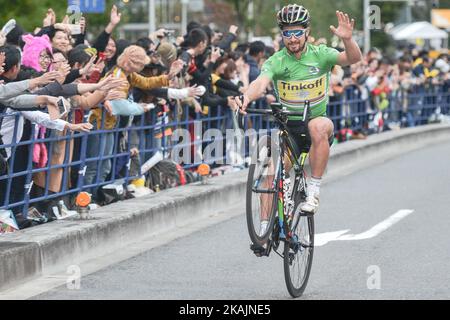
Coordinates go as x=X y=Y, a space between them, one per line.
x=37 y=53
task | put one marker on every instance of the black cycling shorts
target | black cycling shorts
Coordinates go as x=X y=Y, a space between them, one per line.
x=296 y=128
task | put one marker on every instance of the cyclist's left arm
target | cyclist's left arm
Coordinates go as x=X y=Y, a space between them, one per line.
x=352 y=53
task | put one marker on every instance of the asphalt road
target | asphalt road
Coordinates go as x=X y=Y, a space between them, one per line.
x=407 y=260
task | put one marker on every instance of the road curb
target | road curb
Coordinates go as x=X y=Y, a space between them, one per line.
x=42 y=250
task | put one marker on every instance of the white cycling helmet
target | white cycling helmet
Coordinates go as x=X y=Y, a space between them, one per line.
x=293 y=15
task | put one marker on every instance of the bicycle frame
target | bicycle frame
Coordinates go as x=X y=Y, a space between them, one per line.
x=288 y=153
x=287 y=149
x=283 y=215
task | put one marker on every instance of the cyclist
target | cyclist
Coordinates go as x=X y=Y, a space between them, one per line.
x=301 y=72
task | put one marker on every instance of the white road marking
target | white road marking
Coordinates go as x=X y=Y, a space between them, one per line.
x=323 y=238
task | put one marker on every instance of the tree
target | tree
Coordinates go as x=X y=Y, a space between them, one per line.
x=265 y=14
x=30 y=13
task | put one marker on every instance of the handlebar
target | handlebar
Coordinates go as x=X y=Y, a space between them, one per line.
x=270 y=112
x=277 y=110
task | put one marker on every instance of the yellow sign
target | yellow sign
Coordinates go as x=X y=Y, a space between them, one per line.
x=440 y=18
x=295 y=93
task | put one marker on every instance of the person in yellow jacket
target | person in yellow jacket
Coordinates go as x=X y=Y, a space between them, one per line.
x=129 y=63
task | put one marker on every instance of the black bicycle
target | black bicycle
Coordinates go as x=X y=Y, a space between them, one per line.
x=273 y=205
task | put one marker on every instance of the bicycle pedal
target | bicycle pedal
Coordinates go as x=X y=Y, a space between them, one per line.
x=258 y=250
x=306 y=214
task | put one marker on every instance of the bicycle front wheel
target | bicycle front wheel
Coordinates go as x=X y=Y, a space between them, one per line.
x=298 y=254
x=261 y=196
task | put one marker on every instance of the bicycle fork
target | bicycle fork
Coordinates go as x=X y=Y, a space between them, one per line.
x=284 y=217
x=281 y=174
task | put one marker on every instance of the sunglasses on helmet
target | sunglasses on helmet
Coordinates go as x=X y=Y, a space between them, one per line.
x=296 y=33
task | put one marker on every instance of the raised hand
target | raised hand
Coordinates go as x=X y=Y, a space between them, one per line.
x=115 y=16
x=50 y=18
x=233 y=29
x=65 y=20
x=345 y=27
x=64 y=70
x=87 y=69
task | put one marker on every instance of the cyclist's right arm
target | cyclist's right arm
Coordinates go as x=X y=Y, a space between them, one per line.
x=255 y=91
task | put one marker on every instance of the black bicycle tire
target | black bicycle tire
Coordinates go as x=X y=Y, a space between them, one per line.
x=254 y=237
x=293 y=291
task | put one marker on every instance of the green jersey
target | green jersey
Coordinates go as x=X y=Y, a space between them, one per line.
x=299 y=80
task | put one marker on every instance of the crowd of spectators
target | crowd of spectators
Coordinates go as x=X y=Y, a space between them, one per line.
x=115 y=84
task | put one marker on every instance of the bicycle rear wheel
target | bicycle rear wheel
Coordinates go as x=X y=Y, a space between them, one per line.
x=261 y=198
x=298 y=253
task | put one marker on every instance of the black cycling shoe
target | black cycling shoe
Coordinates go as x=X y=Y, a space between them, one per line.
x=258 y=250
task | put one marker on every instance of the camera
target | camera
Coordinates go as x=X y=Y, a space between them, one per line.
x=167 y=33
x=210 y=49
x=63 y=107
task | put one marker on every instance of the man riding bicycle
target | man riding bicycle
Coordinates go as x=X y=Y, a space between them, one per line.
x=301 y=72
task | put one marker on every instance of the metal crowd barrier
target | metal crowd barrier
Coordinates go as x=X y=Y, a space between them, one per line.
x=107 y=152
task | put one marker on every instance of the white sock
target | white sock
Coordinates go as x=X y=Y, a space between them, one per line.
x=314 y=186
x=263 y=227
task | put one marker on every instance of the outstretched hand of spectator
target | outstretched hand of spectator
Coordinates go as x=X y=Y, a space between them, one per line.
x=197 y=107
x=43 y=80
x=110 y=82
x=195 y=92
x=81 y=127
x=99 y=66
x=175 y=68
